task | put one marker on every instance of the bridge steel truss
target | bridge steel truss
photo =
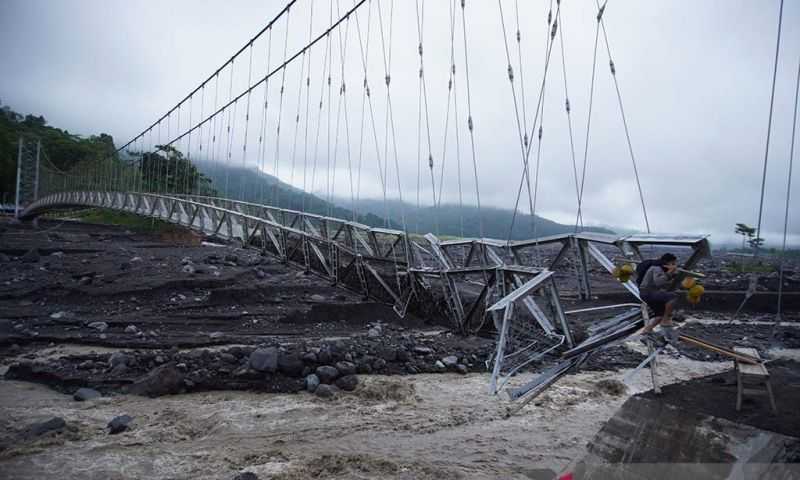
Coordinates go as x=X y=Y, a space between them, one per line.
x=477 y=277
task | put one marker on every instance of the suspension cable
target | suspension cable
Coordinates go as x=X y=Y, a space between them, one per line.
x=769 y=129
x=470 y=124
x=217 y=71
x=275 y=191
x=624 y=118
x=365 y=95
x=568 y=108
x=539 y=104
x=423 y=86
x=246 y=128
x=788 y=197
x=523 y=139
x=579 y=214
x=308 y=105
x=262 y=144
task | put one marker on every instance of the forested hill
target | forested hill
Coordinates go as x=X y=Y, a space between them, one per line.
x=63 y=148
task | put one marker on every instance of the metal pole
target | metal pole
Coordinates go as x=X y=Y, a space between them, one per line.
x=36 y=178
x=19 y=176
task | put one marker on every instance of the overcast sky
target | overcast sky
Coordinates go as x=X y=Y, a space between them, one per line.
x=694 y=76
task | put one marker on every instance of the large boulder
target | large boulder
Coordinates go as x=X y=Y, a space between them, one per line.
x=117 y=358
x=83 y=394
x=246 y=476
x=325 y=391
x=312 y=382
x=346 y=368
x=450 y=361
x=327 y=373
x=41 y=428
x=264 y=359
x=290 y=365
x=164 y=380
x=347 y=383
x=119 y=424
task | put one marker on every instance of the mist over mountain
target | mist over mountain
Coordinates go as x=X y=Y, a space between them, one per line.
x=253 y=185
x=452 y=220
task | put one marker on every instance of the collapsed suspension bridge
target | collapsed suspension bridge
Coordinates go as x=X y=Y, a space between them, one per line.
x=324 y=115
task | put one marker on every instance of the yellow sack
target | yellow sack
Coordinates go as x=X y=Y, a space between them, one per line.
x=697 y=290
x=688 y=282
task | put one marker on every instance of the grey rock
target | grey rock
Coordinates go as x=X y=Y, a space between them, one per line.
x=310 y=357
x=379 y=364
x=374 y=332
x=166 y=379
x=423 y=350
x=324 y=356
x=260 y=274
x=312 y=382
x=317 y=298
x=347 y=383
x=227 y=357
x=462 y=369
x=345 y=368
x=402 y=355
x=117 y=358
x=450 y=361
x=119 y=424
x=86 y=280
x=325 y=391
x=290 y=365
x=264 y=359
x=439 y=365
x=99 y=326
x=131 y=329
x=216 y=335
x=84 y=394
x=327 y=373
x=38 y=429
x=388 y=353
x=188 y=269
x=246 y=476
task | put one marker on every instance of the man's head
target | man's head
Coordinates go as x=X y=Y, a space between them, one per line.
x=668 y=260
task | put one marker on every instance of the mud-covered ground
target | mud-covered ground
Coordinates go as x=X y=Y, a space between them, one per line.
x=225 y=339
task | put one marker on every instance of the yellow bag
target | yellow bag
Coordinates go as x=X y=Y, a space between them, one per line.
x=688 y=282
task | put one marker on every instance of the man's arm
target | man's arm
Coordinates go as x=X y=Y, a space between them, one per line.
x=661 y=279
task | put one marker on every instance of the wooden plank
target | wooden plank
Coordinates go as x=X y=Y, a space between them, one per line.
x=758 y=370
x=718 y=349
